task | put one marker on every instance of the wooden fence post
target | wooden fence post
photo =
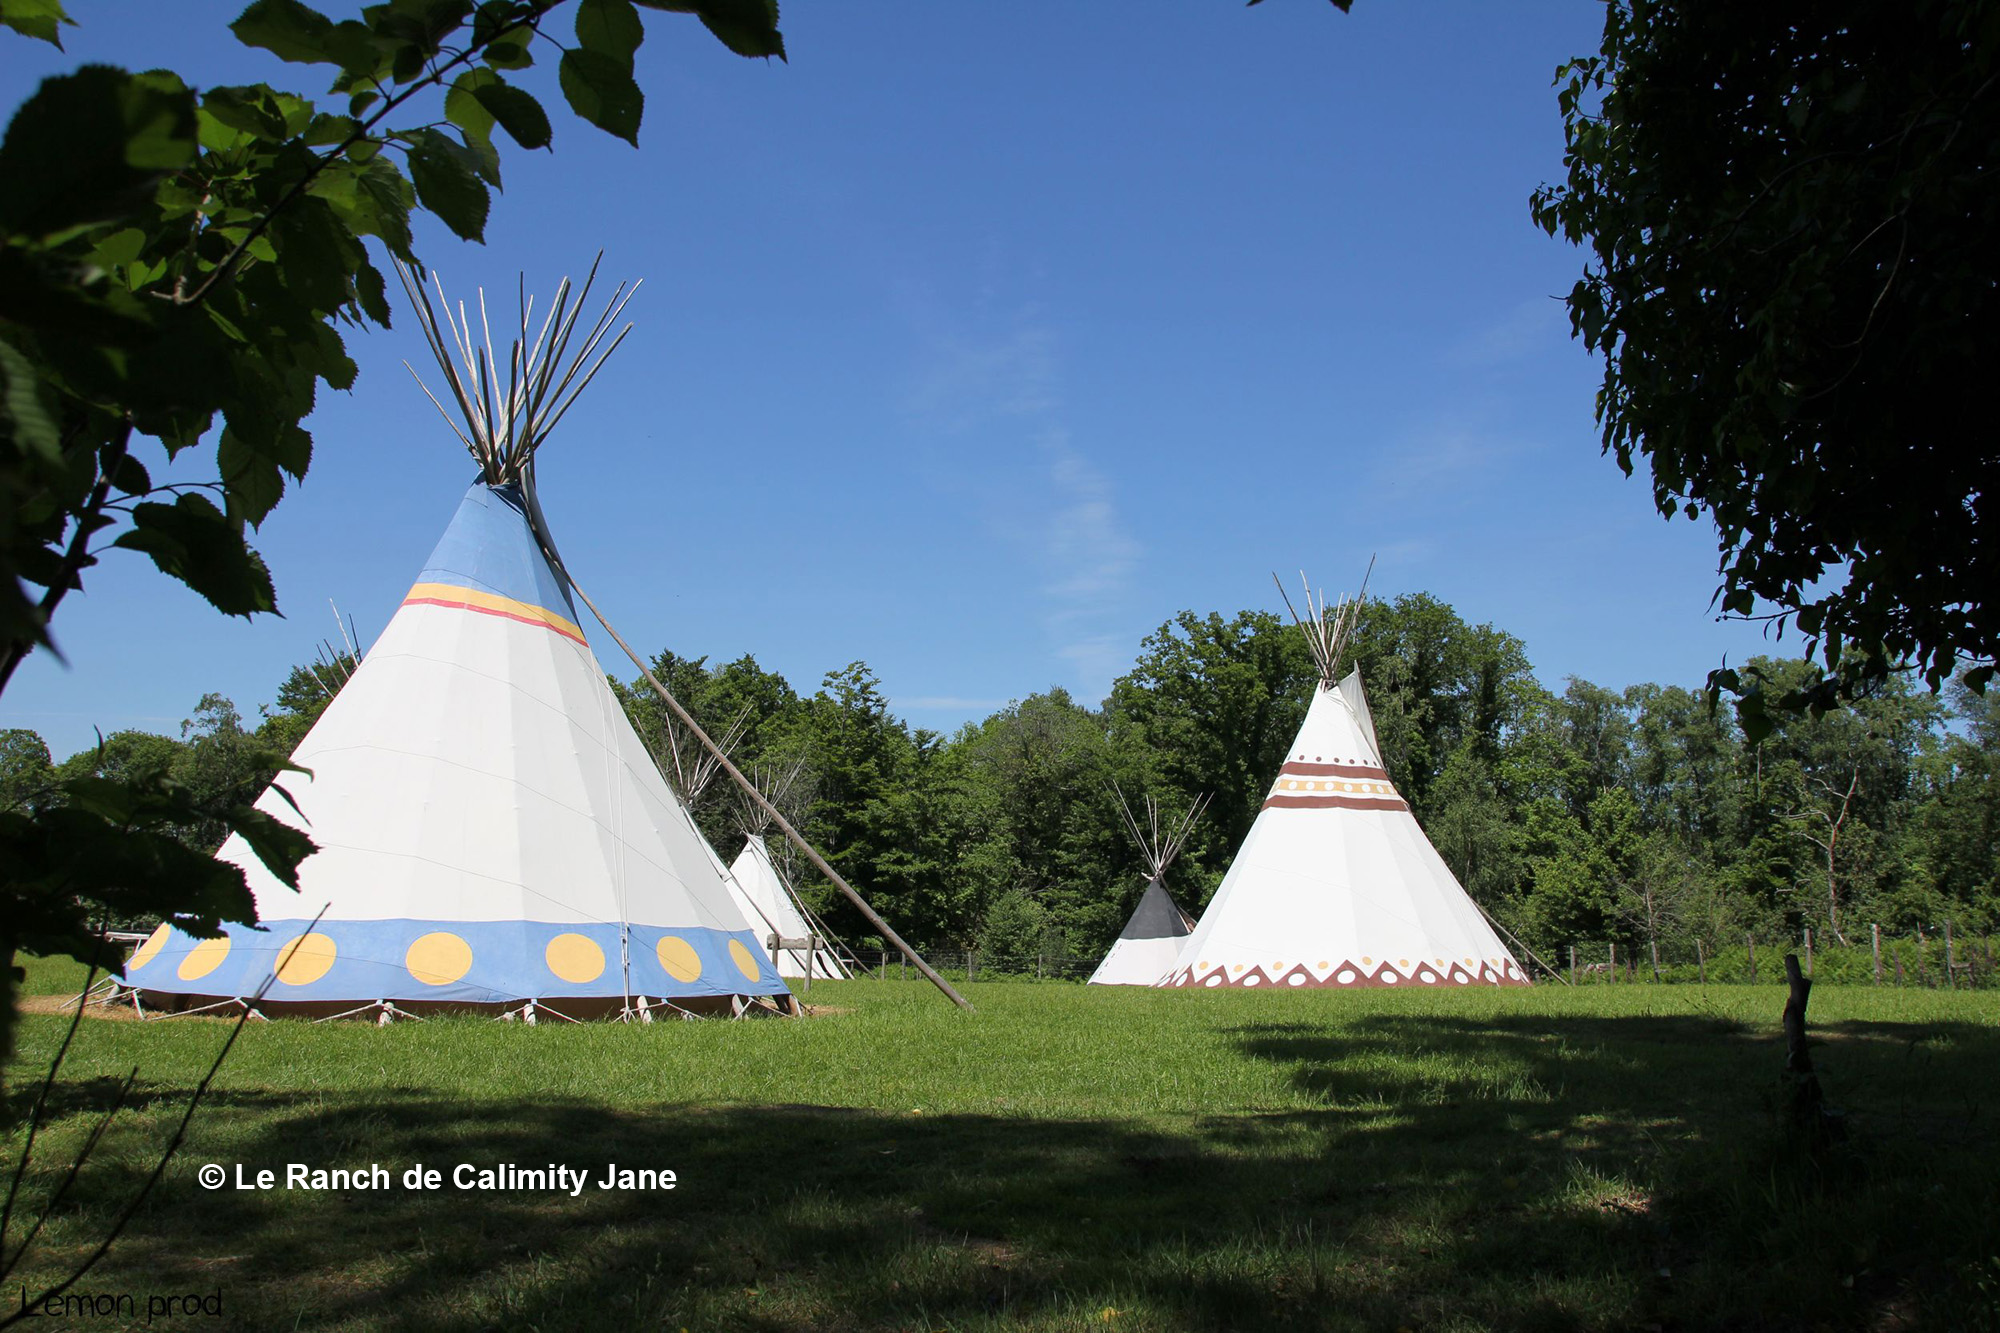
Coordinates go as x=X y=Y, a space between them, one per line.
x=1611 y=972
x=883 y=974
x=1950 y=968
x=1875 y=944
x=1807 y=933
x=1572 y=964
x=1806 y=1103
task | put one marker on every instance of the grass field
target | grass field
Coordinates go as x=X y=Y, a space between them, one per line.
x=1066 y=1159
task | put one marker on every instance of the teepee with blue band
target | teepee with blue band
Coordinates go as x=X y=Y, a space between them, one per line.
x=492 y=833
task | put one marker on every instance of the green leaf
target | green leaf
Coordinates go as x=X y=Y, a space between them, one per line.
x=508 y=53
x=277 y=844
x=318 y=254
x=35 y=18
x=90 y=147
x=119 y=248
x=610 y=28
x=603 y=93
x=386 y=201
x=288 y=30
x=195 y=542
x=130 y=476
x=447 y=180
x=372 y=293
x=247 y=109
x=517 y=112
x=22 y=412
x=463 y=108
x=252 y=468
x=747 y=27
x=47 y=298
x=324 y=130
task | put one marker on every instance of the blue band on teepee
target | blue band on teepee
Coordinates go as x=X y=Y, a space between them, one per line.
x=490 y=547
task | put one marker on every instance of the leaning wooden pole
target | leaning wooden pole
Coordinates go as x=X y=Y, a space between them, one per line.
x=1524 y=948
x=750 y=788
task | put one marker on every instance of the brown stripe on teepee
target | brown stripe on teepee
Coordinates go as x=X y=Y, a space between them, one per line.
x=1299 y=768
x=1284 y=802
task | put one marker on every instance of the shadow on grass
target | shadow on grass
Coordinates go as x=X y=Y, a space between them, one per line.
x=1669 y=1122
x=1518 y=1173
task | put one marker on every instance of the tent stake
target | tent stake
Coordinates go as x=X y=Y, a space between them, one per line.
x=750 y=789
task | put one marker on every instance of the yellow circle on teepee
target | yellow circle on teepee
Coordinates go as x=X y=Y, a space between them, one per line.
x=746 y=962
x=306 y=959
x=679 y=958
x=146 y=952
x=438 y=959
x=575 y=958
x=204 y=958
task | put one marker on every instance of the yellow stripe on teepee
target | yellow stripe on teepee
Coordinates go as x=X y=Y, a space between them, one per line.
x=486 y=601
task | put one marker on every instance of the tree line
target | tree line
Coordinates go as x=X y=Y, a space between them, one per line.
x=1644 y=817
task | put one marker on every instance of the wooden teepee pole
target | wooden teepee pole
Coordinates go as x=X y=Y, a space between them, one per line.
x=750 y=789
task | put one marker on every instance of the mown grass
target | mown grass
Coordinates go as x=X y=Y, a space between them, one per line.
x=1069 y=1158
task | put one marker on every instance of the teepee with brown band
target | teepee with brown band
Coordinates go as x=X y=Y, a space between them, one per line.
x=1336 y=884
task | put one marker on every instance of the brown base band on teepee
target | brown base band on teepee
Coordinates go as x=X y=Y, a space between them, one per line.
x=1346 y=976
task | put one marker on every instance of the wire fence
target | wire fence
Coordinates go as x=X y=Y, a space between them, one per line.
x=1937 y=960
x=976 y=965
x=1870 y=956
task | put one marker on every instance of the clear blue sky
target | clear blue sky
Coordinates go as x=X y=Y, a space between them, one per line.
x=978 y=341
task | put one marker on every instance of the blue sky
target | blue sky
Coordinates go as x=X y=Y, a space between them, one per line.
x=979 y=340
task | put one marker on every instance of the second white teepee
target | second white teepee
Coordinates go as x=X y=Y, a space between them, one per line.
x=775 y=903
x=1151 y=940
x=1336 y=884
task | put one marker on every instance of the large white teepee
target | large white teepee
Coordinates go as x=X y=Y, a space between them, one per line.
x=1151 y=940
x=1336 y=884
x=492 y=832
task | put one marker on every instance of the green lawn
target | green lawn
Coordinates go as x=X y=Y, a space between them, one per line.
x=1069 y=1158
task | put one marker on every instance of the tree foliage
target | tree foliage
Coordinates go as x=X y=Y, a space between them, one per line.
x=176 y=267
x=1791 y=209
x=1639 y=817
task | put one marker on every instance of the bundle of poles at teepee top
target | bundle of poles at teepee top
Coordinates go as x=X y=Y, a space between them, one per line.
x=1327 y=632
x=504 y=426
x=1159 y=847
x=763 y=892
